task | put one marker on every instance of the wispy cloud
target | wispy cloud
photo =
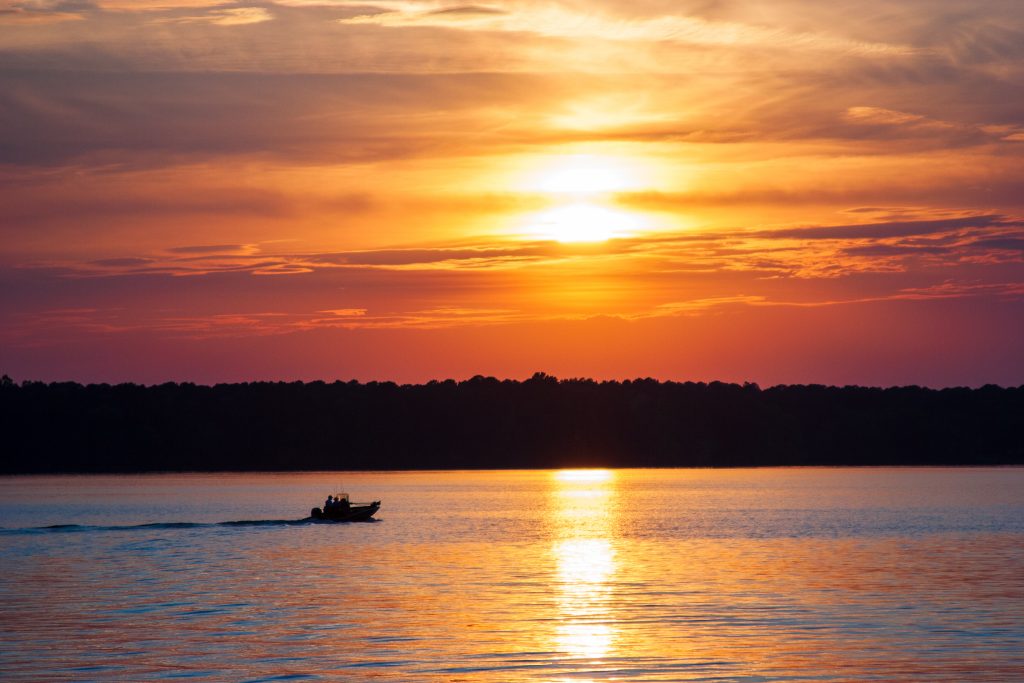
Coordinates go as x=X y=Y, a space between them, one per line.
x=888 y=117
x=790 y=249
x=886 y=229
x=25 y=12
x=635 y=278
x=562 y=21
x=234 y=16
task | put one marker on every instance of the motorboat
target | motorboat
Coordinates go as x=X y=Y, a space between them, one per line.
x=341 y=510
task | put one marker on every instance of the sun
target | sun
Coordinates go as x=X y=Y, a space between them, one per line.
x=584 y=222
x=581 y=193
x=585 y=175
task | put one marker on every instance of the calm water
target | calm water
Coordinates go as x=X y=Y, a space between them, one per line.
x=628 y=575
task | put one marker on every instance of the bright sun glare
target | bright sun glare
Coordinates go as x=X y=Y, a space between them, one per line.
x=582 y=178
x=589 y=476
x=584 y=222
x=580 y=185
x=586 y=175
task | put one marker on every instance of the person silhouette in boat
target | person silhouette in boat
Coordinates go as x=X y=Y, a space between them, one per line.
x=329 y=504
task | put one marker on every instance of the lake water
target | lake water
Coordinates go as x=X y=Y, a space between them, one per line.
x=624 y=575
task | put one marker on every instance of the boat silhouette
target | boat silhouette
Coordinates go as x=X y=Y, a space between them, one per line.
x=339 y=509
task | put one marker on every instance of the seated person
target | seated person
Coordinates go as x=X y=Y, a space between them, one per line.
x=329 y=504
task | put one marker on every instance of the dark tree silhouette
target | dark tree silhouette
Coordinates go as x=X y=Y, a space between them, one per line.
x=488 y=423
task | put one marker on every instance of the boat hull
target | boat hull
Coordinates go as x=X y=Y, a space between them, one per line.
x=356 y=513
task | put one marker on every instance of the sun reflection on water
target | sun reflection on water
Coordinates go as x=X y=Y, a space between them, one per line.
x=586 y=562
x=588 y=475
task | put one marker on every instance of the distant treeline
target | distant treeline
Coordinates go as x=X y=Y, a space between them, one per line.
x=488 y=423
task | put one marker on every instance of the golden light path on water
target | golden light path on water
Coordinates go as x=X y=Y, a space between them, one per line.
x=586 y=562
x=774 y=575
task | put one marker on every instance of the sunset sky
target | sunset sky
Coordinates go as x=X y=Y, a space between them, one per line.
x=778 y=192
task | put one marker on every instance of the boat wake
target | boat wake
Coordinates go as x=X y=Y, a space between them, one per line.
x=79 y=528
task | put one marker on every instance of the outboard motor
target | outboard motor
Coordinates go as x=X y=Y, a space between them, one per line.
x=316 y=513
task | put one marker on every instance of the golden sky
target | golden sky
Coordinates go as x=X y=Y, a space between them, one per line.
x=792 y=191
